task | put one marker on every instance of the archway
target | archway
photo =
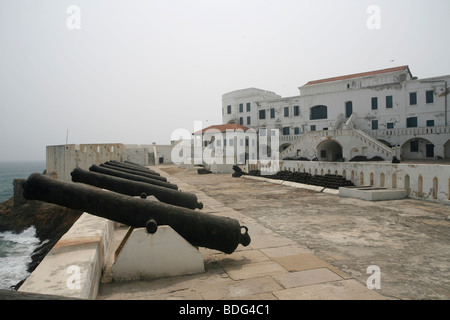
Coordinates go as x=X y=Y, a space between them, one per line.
x=407 y=185
x=417 y=148
x=284 y=146
x=329 y=150
x=447 y=150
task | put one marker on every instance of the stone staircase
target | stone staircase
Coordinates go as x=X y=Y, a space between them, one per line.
x=348 y=138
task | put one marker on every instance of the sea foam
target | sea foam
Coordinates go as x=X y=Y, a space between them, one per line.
x=15 y=255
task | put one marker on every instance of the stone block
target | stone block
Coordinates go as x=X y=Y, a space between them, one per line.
x=162 y=254
x=337 y=290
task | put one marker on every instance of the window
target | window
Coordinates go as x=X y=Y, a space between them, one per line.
x=389 y=102
x=296 y=111
x=430 y=123
x=248 y=106
x=411 y=122
x=348 y=109
x=413 y=98
x=262 y=114
x=219 y=143
x=272 y=113
x=312 y=128
x=323 y=153
x=286 y=131
x=229 y=109
x=318 y=112
x=374 y=103
x=374 y=124
x=414 y=146
x=262 y=132
x=390 y=125
x=241 y=121
x=286 y=112
x=248 y=120
x=231 y=143
x=296 y=130
x=241 y=107
x=429 y=96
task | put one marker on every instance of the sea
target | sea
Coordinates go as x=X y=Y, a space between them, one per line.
x=16 y=249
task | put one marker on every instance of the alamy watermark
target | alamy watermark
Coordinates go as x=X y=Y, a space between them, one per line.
x=374 y=280
x=213 y=146
x=74 y=280
x=374 y=19
x=73 y=21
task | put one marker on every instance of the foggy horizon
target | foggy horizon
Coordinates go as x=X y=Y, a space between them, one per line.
x=133 y=72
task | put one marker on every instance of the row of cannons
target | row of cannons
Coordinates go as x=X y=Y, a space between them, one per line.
x=118 y=191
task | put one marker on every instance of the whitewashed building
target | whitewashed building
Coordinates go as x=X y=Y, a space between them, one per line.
x=382 y=113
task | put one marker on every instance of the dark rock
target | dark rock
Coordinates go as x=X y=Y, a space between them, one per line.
x=51 y=222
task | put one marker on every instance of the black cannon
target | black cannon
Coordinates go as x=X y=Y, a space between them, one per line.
x=131 y=167
x=198 y=228
x=136 y=188
x=134 y=177
x=132 y=171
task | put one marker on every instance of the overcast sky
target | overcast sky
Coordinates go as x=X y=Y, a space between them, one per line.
x=137 y=70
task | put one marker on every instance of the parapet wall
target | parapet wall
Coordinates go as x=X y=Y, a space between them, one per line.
x=73 y=267
x=421 y=181
x=61 y=160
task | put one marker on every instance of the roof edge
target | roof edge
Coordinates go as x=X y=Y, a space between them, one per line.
x=359 y=75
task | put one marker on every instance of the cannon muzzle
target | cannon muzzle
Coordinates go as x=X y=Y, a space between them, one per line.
x=198 y=228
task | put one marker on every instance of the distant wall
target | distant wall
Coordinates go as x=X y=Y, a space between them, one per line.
x=148 y=154
x=62 y=159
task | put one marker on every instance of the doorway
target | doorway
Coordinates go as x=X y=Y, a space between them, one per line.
x=430 y=150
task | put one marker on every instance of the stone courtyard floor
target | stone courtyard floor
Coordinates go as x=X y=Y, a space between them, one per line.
x=308 y=245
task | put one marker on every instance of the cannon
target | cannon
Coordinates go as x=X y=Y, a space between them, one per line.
x=198 y=228
x=133 y=163
x=130 y=176
x=131 y=171
x=136 y=188
x=131 y=167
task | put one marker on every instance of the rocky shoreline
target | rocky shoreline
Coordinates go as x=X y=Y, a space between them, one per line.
x=51 y=222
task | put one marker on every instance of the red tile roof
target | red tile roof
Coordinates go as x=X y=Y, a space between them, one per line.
x=224 y=128
x=359 y=75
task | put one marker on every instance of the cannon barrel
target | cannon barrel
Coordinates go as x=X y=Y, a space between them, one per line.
x=136 y=188
x=131 y=167
x=133 y=163
x=198 y=228
x=131 y=171
x=130 y=176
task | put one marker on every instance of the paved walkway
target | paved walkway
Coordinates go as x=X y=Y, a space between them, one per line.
x=272 y=267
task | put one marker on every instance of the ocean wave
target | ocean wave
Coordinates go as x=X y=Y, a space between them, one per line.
x=15 y=255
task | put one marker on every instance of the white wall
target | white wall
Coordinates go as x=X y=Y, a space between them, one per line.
x=422 y=181
x=62 y=159
x=251 y=95
x=360 y=92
